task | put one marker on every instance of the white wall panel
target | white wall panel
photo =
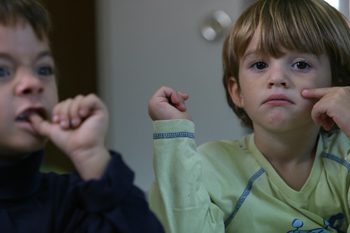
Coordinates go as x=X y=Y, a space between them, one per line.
x=146 y=44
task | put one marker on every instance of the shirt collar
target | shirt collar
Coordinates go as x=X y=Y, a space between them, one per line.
x=22 y=178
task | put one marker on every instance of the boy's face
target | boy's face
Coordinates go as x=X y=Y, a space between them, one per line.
x=270 y=88
x=27 y=86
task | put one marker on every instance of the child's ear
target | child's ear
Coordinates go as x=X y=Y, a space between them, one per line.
x=235 y=92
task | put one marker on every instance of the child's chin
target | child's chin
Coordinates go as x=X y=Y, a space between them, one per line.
x=33 y=145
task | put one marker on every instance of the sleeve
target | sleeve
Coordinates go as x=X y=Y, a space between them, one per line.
x=112 y=203
x=177 y=195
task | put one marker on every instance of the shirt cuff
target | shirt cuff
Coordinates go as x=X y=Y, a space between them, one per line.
x=162 y=128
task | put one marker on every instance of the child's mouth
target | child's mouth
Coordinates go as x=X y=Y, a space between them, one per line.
x=24 y=117
x=278 y=99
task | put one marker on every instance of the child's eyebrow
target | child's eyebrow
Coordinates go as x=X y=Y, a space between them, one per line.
x=6 y=56
x=249 y=53
x=39 y=56
x=44 y=54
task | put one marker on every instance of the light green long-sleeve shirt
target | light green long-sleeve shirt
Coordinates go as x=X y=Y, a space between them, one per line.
x=229 y=186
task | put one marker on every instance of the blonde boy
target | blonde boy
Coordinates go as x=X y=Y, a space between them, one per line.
x=286 y=75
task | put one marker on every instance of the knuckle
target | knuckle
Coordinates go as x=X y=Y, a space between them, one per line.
x=78 y=97
x=92 y=95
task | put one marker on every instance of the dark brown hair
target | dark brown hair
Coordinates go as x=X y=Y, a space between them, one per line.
x=31 y=11
x=308 y=26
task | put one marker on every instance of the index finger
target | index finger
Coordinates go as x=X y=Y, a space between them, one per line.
x=316 y=92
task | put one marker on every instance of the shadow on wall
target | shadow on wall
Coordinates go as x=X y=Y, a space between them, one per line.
x=73 y=46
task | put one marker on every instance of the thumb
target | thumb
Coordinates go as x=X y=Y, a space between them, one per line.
x=40 y=125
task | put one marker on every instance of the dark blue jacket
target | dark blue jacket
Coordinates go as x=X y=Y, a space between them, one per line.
x=31 y=201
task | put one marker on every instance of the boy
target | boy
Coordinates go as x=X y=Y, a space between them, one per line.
x=100 y=197
x=284 y=63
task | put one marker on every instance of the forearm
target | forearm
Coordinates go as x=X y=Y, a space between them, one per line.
x=178 y=196
x=114 y=201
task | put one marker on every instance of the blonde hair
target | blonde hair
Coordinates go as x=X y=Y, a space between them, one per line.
x=308 y=26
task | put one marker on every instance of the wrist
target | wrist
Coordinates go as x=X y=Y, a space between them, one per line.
x=172 y=126
x=92 y=163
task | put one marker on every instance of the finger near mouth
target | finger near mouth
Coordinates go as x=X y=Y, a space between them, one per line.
x=25 y=117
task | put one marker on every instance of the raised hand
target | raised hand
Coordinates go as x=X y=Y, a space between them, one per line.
x=78 y=128
x=168 y=104
x=333 y=106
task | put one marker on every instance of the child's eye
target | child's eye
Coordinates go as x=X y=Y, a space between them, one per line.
x=259 y=65
x=302 y=65
x=44 y=71
x=4 y=72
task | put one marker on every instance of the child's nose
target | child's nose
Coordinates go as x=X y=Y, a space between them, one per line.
x=29 y=85
x=278 y=83
x=278 y=78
